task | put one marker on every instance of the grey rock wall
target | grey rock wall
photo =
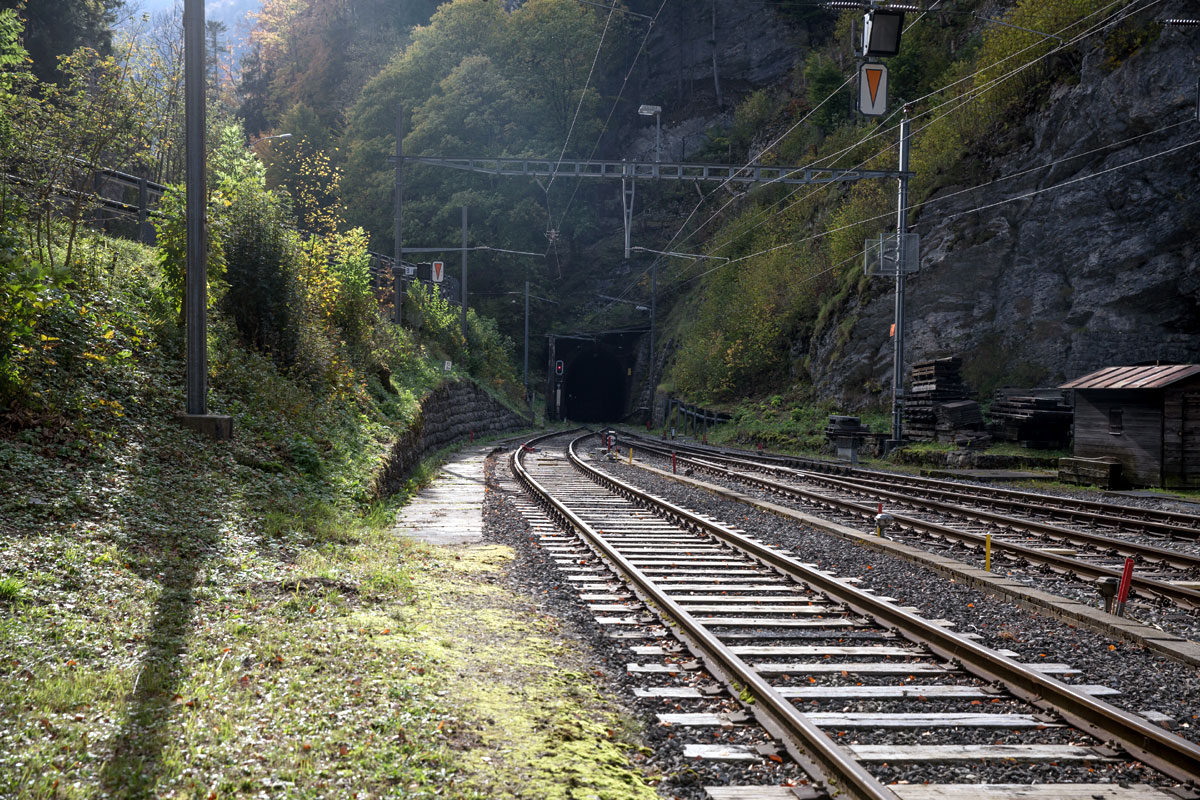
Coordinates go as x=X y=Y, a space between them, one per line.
x=450 y=413
x=1105 y=270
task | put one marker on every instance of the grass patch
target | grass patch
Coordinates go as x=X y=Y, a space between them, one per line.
x=182 y=618
x=10 y=590
x=528 y=716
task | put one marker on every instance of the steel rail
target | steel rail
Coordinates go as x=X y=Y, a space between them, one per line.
x=945 y=489
x=1170 y=523
x=1173 y=755
x=1018 y=524
x=1180 y=595
x=804 y=741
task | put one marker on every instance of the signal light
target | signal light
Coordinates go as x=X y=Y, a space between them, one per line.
x=558 y=368
x=881 y=32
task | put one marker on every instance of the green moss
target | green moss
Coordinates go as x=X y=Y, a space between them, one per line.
x=526 y=709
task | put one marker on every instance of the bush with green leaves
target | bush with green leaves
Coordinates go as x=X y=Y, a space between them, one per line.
x=264 y=295
x=28 y=289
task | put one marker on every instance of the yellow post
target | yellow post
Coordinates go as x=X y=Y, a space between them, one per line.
x=987 y=554
x=631 y=454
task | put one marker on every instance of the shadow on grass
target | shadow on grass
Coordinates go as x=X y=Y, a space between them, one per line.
x=172 y=554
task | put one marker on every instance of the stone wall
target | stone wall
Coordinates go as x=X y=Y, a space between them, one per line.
x=449 y=414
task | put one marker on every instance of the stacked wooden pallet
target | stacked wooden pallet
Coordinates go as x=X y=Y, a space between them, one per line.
x=1103 y=472
x=938 y=408
x=1037 y=418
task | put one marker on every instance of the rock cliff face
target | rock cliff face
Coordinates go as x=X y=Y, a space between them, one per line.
x=1103 y=269
x=753 y=46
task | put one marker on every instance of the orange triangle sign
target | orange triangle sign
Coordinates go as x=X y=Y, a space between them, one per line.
x=873 y=76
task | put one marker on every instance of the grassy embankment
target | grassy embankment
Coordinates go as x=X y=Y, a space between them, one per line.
x=184 y=618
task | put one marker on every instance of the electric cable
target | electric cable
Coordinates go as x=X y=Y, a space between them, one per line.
x=975 y=210
x=612 y=109
x=582 y=97
x=960 y=102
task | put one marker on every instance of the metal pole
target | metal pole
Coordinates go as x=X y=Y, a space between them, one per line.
x=144 y=211
x=627 y=193
x=464 y=274
x=653 y=312
x=901 y=230
x=551 y=380
x=196 y=283
x=398 y=221
x=526 y=341
x=657 y=138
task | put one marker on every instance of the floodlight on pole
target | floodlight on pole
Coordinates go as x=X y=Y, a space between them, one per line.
x=269 y=138
x=656 y=112
x=881 y=32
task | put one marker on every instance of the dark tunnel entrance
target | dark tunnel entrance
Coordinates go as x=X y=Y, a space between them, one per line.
x=593 y=386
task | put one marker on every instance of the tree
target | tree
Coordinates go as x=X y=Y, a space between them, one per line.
x=55 y=28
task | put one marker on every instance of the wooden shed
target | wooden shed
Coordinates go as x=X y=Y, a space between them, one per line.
x=1148 y=418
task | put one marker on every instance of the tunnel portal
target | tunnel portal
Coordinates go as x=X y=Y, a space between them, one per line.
x=594 y=386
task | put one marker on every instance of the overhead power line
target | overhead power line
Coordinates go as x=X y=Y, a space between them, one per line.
x=977 y=209
x=958 y=103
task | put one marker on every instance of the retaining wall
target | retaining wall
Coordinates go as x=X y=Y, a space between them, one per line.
x=450 y=413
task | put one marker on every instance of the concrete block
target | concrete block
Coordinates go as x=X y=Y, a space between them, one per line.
x=215 y=426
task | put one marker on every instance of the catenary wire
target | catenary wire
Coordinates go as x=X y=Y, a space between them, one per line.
x=959 y=101
x=988 y=206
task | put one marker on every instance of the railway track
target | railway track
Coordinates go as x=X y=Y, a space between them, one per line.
x=1150 y=521
x=811 y=658
x=938 y=510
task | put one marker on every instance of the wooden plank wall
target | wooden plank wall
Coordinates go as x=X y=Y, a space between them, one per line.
x=1181 y=436
x=1139 y=446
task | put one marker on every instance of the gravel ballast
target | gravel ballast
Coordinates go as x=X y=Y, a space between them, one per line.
x=1001 y=625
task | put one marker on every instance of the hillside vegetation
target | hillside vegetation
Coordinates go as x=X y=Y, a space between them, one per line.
x=796 y=273
x=182 y=617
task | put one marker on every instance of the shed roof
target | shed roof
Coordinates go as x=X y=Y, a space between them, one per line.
x=1153 y=377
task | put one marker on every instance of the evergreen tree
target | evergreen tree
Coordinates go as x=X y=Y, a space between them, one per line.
x=56 y=27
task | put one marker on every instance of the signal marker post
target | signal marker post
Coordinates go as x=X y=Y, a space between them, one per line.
x=872 y=89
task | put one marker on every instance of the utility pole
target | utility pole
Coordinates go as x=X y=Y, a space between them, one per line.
x=526 y=379
x=195 y=300
x=627 y=192
x=653 y=313
x=398 y=222
x=464 y=274
x=901 y=248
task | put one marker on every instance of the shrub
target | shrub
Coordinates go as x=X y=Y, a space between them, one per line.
x=28 y=288
x=264 y=295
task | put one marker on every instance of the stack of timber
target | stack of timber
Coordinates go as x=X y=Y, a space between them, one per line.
x=1036 y=418
x=1104 y=472
x=937 y=407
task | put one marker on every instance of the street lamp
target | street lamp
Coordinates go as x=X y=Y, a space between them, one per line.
x=656 y=112
x=269 y=138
